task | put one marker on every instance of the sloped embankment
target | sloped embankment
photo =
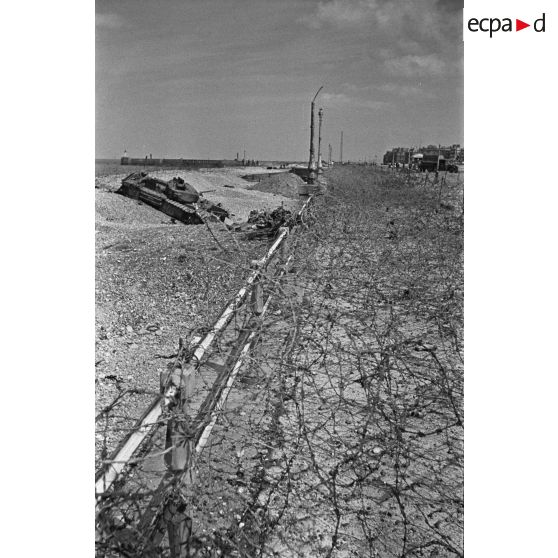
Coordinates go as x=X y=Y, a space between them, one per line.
x=285 y=184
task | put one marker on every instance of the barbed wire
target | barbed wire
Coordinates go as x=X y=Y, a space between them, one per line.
x=343 y=433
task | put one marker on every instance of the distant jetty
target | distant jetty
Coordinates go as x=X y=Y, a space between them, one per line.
x=179 y=163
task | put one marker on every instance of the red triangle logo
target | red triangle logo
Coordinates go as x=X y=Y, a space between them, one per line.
x=519 y=25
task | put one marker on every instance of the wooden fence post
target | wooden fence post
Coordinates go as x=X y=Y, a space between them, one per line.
x=179 y=461
x=179 y=525
x=256 y=299
x=179 y=437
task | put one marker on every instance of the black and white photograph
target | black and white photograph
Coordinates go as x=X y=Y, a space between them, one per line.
x=279 y=213
x=249 y=293
x=247 y=268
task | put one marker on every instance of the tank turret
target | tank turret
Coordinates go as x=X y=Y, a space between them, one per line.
x=176 y=198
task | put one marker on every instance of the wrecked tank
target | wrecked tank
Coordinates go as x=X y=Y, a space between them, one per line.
x=175 y=198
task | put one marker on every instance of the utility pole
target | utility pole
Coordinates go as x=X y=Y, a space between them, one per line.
x=320 y=118
x=311 y=161
x=341 y=149
x=329 y=159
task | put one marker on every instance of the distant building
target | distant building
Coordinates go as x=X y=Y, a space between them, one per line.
x=403 y=155
x=398 y=155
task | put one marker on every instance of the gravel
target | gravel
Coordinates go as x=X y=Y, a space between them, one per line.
x=155 y=282
x=239 y=201
x=285 y=184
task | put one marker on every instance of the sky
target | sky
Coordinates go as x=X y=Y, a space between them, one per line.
x=213 y=78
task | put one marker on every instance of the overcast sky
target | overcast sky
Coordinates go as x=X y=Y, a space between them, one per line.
x=210 y=78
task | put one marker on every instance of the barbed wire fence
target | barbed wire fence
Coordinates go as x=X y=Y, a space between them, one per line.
x=326 y=417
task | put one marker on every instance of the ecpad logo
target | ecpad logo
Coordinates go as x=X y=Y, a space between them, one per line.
x=494 y=24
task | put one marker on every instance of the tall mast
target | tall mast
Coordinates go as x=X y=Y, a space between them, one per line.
x=320 y=118
x=311 y=161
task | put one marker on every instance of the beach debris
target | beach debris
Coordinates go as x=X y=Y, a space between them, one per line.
x=266 y=223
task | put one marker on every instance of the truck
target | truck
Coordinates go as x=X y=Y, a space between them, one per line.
x=430 y=162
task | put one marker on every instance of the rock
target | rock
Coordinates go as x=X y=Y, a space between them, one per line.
x=274 y=472
x=262 y=499
x=276 y=454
